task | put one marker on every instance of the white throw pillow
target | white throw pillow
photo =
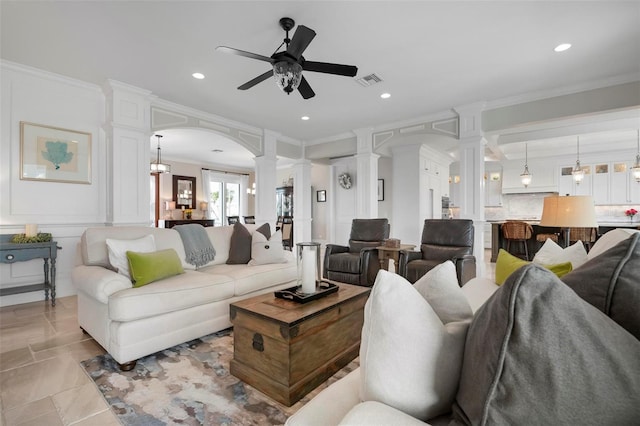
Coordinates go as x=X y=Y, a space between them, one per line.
x=118 y=251
x=409 y=359
x=608 y=240
x=551 y=253
x=440 y=288
x=265 y=251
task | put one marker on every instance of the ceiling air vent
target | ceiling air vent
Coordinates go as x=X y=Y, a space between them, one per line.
x=369 y=80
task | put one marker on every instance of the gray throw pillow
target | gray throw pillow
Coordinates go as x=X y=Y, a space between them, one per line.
x=611 y=283
x=240 y=243
x=536 y=353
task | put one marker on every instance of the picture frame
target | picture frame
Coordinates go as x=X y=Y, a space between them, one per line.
x=321 y=196
x=380 y=189
x=54 y=154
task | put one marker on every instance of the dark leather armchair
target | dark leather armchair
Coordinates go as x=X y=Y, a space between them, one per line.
x=442 y=240
x=357 y=263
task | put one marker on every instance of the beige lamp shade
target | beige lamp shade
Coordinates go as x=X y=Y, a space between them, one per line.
x=203 y=205
x=576 y=211
x=169 y=205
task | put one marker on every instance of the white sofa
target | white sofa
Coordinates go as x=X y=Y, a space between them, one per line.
x=130 y=323
x=341 y=404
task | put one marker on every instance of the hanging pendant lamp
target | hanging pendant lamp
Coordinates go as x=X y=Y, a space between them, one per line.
x=635 y=170
x=525 y=177
x=578 y=172
x=158 y=166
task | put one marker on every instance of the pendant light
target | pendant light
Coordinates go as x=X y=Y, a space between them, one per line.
x=635 y=170
x=158 y=166
x=578 y=172
x=525 y=177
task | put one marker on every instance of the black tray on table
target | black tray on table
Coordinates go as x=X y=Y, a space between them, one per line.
x=323 y=288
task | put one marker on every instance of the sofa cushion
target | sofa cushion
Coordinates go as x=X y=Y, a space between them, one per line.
x=240 y=243
x=611 y=283
x=118 y=251
x=146 y=268
x=440 y=288
x=551 y=253
x=536 y=352
x=401 y=353
x=374 y=413
x=265 y=251
x=192 y=288
x=609 y=240
x=507 y=264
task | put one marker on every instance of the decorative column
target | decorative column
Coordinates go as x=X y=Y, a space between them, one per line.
x=407 y=212
x=302 y=201
x=128 y=135
x=266 y=180
x=472 y=184
x=366 y=176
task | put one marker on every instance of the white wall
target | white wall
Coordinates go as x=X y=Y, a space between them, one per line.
x=343 y=201
x=319 y=182
x=385 y=171
x=63 y=209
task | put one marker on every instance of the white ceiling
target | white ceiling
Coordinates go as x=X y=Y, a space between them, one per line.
x=432 y=55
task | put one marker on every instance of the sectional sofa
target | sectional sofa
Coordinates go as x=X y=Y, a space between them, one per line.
x=131 y=322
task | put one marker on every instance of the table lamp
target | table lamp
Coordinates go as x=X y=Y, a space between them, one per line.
x=573 y=211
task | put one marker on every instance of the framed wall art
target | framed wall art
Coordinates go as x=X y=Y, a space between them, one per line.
x=53 y=154
x=321 y=196
x=380 y=189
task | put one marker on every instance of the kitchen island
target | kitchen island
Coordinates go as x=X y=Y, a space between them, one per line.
x=498 y=241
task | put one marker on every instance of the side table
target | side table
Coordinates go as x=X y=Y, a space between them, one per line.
x=11 y=253
x=385 y=253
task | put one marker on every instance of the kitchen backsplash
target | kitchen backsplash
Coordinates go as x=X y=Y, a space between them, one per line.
x=529 y=207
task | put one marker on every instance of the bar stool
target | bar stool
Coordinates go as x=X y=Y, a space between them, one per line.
x=586 y=235
x=541 y=238
x=517 y=231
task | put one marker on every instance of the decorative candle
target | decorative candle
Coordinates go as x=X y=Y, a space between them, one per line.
x=308 y=271
x=31 y=230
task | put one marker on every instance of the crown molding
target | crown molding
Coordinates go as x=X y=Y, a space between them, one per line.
x=36 y=72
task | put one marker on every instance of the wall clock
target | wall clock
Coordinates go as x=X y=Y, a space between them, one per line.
x=345 y=180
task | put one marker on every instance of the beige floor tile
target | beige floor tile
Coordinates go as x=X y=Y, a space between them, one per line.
x=57 y=340
x=79 y=403
x=33 y=308
x=40 y=379
x=61 y=313
x=69 y=302
x=15 y=358
x=106 y=418
x=65 y=325
x=79 y=351
x=28 y=412
x=48 y=419
x=18 y=334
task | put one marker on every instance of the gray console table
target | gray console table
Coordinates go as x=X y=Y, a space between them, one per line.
x=11 y=253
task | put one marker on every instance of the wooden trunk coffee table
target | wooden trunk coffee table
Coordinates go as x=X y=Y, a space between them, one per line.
x=286 y=349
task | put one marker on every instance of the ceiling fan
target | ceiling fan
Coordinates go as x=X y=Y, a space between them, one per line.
x=287 y=65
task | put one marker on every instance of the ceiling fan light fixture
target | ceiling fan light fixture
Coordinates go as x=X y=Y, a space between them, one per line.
x=288 y=75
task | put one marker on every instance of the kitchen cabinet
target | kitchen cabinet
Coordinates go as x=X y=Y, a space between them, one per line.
x=568 y=186
x=544 y=179
x=493 y=189
x=624 y=188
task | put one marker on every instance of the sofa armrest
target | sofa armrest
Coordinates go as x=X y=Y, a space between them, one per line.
x=404 y=257
x=369 y=265
x=98 y=282
x=329 y=250
x=330 y=405
x=465 y=268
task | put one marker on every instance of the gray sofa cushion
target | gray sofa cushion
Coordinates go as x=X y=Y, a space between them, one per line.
x=537 y=353
x=611 y=283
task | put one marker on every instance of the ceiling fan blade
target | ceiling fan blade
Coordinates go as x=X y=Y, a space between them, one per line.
x=233 y=51
x=328 y=68
x=259 y=79
x=300 y=41
x=305 y=90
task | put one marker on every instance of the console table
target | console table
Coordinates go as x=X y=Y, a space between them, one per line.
x=170 y=223
x=11 y=253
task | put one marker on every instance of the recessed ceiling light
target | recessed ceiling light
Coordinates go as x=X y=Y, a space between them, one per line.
x=562 y=47
x=198 y=75
x=385 y=95
x=304 y=117
x=217 y=150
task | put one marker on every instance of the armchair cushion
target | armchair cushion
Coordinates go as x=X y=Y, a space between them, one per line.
x=345 y=262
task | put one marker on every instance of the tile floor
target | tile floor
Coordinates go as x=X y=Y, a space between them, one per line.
x=41 y=381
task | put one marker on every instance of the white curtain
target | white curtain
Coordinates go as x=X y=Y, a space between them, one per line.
x=206 y=190
x=244 y=197
x=209 y=176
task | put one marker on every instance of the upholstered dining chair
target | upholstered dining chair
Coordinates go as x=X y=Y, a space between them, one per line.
x=249 y=219
x=358 y=262
x=442 y=240
x=233 y=219
x=287 y=232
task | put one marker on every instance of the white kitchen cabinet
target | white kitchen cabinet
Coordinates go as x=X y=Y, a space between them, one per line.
x=624 y=188
x=493 y=189
x=601 y=183
x=544 y=179
x=568 y=186
x=487 y=235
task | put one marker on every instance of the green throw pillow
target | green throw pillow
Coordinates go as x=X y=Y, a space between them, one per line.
x=149 y=267
x=507 y=264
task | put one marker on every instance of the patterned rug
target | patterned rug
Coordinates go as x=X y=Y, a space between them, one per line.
x=190 y=384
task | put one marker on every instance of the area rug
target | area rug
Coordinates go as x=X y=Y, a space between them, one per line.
x=190 y=384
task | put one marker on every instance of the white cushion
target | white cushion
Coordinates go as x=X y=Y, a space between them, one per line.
x=478 y=290
x=374 y=413
x=609 y=240
x=264 y=252
x=440 y=288
x=409 y=359
x=118 y=251
x=551 y=253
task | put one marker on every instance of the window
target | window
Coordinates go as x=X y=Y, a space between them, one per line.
x=226 y=195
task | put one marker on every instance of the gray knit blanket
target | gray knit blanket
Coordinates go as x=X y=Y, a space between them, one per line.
x=197 y=245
